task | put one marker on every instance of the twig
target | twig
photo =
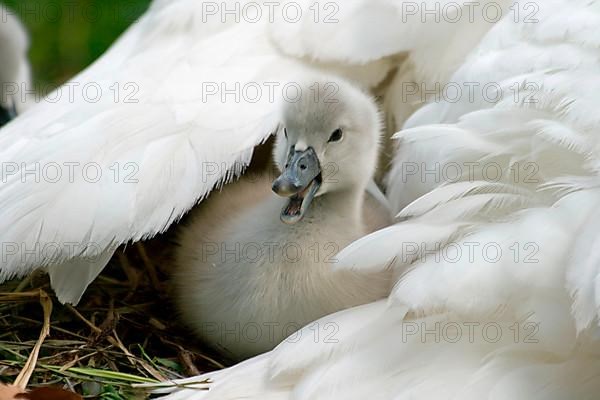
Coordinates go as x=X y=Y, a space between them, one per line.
x=133 y=359
x=149 y=266
x=132 y=276
x=186 y=359
x=23 y=284
x=181 y=349
x=23 y=378
x=84 y=320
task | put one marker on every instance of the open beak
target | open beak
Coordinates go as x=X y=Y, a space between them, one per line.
x=299 y=181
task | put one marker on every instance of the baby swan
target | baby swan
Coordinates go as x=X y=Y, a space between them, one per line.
x=253 y=267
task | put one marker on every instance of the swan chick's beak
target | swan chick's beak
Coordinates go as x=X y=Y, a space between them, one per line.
x=299 y=181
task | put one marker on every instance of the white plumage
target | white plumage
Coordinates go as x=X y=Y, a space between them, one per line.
x=171 y=141
x=130 y=168
x=527 y=187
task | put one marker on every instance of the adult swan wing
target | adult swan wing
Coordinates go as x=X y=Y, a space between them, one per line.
x=123 y=150
x=517 y=323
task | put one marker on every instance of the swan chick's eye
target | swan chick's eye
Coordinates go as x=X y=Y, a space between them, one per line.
x=336 y=136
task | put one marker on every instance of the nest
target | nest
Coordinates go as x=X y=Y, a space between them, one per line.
x=122 y=333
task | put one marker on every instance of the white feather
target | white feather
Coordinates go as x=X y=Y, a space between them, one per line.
x=544 y=298
x=545 y=303
x=158 y=151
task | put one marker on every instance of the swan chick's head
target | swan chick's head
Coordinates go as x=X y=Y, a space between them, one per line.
x=328 y=142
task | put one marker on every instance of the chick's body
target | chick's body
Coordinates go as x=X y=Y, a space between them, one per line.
x=245 y=281
x=254 y=267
